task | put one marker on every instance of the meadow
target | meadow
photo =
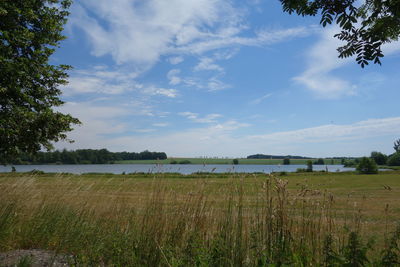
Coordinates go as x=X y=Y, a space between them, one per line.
x=227 y=161
x=296 y=219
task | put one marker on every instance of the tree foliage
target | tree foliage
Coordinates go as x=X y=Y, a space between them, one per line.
x=394 y=159
x=86 y=156
x=30 y=30
x=286 y=161
x=364 y=28
x=309 y=165
x=396 y=145
x=379 y=158
x=367 y=166
x=319 y=162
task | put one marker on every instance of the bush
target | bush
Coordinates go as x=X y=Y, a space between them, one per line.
x=286 y=161
x=367 y=166
x=173 y=162
x=185 y=161
x=309 y=166
x=349 y=163
x=235 y=161
x=35 y=172
x=394 y=160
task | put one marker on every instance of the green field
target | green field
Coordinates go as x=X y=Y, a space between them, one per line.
x=226 y=161
x=202 y=220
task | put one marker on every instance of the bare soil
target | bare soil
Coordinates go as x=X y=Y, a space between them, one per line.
x=34 y=258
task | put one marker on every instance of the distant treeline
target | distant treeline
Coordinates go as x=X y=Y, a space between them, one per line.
x=86 y=156
x=262 y=156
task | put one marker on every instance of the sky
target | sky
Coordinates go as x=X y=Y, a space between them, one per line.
x=221 y=78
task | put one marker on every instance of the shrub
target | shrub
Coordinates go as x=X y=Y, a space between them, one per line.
x=185 y=161
x=235 y=161
x=319 y=162
x=349 y=163
x=309 y=166
x=390 y=256
x=394 y=160
x=35 y=172
x=367 y=166
x=355 y=253
x=286 y=161
x=173 y=162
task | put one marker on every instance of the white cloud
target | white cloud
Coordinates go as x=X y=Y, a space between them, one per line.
x=391 y=48
x=326 y=133
x=214 y=84
x=322 y=60
x=210 y=84
x=231 y=39
x=101 y=80
x=222 y=139
x=176 y=60
x=173 y=77
x=161 y=124
x=97 y=121
x=207 y=63
x=140 y=32
x=210 y=118
x=154 y=91
x=260 y=99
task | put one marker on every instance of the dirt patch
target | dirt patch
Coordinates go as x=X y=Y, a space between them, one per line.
x=34 y=258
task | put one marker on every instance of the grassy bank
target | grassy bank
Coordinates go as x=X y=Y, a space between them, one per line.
x=225 y=161
x=312 y=219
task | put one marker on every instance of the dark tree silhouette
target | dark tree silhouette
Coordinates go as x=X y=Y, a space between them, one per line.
x=364 y=28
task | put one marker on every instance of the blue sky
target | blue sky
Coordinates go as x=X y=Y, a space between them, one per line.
x=221 y=78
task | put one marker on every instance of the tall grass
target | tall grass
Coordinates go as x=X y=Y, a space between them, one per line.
x=101 y=222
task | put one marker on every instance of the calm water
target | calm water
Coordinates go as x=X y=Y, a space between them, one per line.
x=184 y=169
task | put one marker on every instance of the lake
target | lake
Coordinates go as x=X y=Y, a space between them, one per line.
x=168 y=168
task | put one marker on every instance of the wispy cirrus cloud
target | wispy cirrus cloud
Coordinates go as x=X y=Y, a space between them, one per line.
x=161 y=124
x=156 y=91
x=111 y=81
x=210 y=118
x=142 y=32
x=322 y=60
x=101 y=80
x=260 y=99
x=325 y=133
x=261 y=38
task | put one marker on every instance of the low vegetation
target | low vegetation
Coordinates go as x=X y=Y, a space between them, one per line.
x=311 y=219
x=229 y=161
x=367 y=166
